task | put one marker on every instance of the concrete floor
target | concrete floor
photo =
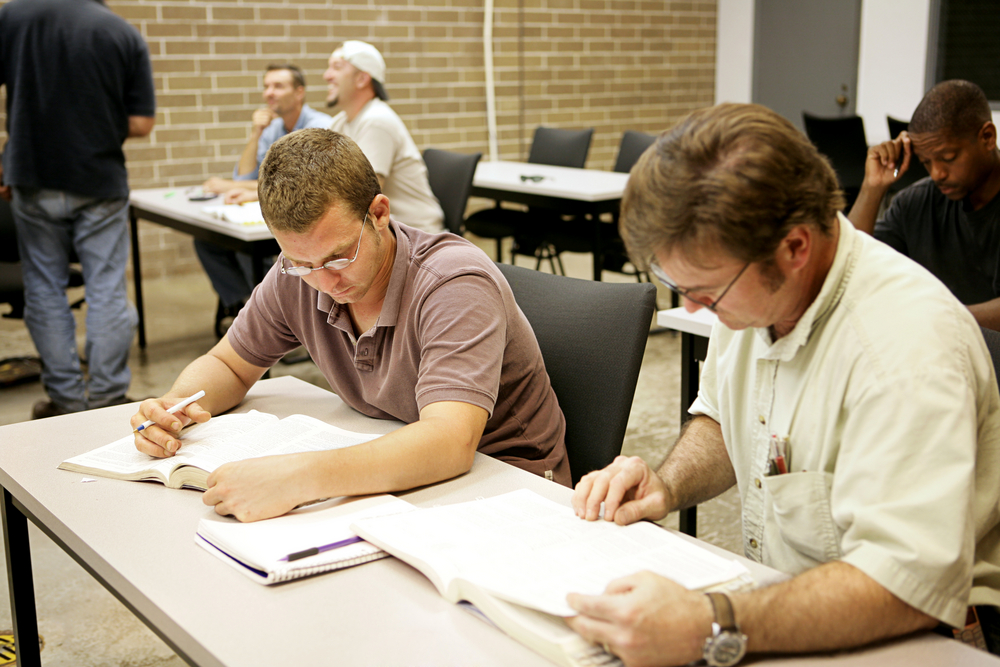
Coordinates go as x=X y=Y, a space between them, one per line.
x=84 y=625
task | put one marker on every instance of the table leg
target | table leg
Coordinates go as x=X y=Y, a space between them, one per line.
x=689 y=392
x=597 y=247
x=20 y=583
x=137 y=278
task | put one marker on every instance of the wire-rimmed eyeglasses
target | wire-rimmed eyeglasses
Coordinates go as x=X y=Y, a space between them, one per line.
x=657 y=270
x=332 y=265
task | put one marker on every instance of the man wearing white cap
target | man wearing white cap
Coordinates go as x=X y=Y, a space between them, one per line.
x=356 y=79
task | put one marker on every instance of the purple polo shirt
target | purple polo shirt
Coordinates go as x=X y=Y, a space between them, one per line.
x=449 y=330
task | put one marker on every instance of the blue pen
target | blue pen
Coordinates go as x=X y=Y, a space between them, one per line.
x=312 y=551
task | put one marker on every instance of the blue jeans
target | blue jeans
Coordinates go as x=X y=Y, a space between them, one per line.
x=231 y=272
x=49 y=224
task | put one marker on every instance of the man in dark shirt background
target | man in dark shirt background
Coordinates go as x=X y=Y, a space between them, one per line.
x=79 y=82
x=950 y=222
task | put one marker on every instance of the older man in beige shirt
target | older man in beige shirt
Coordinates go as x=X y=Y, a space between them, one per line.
x=847 y=394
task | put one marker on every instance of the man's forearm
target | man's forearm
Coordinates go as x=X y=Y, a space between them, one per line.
x=987 y=314
x=829 y=607
x=698 y=468
x=224 y=389
x=140 y=126
x=864 y=213
x=248 y=160
x=427 y=451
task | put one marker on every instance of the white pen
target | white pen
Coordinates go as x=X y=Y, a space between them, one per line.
x=183 y=404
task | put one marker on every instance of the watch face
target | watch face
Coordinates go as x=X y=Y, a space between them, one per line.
x=727 y=649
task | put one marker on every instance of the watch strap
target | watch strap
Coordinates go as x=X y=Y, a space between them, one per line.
x=723 y=609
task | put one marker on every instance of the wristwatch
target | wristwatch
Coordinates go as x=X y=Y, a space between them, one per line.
x=727 y=645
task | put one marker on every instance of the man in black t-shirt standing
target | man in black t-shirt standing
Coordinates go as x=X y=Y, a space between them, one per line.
x=79 y=82
x=950 y=222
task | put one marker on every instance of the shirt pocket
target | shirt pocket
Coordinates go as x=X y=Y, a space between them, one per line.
x=799 y=530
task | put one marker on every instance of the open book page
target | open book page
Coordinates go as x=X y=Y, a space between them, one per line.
x=297 y=433
x=258 y=548
x=122 y=459
x=205 y=447
x=529 y=550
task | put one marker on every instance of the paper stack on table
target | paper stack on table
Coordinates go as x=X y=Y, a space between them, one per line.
x=238 y=214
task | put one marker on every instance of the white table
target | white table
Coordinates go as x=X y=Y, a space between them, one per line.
x=137 y=540
x=170 y=207
x=582 y=192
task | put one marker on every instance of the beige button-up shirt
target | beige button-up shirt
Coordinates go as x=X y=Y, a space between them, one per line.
x=885 y=399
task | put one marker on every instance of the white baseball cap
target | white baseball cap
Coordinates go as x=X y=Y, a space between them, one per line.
x=366 y=58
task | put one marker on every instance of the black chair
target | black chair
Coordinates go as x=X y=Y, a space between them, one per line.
x=450 y=175
x=843 y=141
x=992 y=339
x=916 y=171
x=561 y=148
x=631 y=148
x=13 y=370
x=574 y=235
x=11 y=280
x=576 y=323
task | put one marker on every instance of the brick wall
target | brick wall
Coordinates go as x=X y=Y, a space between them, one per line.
x=608 y=64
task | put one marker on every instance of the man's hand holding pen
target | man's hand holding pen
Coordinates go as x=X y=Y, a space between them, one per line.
x=888 y=161
x=159 y=422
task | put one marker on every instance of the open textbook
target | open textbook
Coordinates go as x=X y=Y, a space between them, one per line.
x=260 y=549
x=516 y=556
x=205 y=447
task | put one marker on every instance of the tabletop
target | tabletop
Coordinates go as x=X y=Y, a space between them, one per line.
x=139 y=539
x=173 y=203
x=590 y=185
x=699 y=323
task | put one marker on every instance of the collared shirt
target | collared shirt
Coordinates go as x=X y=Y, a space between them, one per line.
x=385 y=141
x=449 y=330
x=886 y=397
x=308 y=117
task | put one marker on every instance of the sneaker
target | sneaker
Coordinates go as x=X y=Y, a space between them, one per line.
x=45 y=409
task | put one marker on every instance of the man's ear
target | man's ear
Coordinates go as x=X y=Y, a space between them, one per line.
x=380 y=212
x=795 y=249
x=988 y=135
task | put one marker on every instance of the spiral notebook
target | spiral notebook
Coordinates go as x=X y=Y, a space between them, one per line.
x=260 y=549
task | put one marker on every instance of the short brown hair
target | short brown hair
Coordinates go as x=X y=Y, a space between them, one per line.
x=956 y=107
x=736 y=175
x=298 y=78
x=306 y=172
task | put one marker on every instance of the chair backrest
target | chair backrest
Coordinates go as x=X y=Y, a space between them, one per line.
x=896 y=126
x=843 y=141
x=561 y=148
x=450 y=175
x=916 y=170
x=633 y=145
x=592 y=336
x=11 y=279
x=8 y=234
x=992 y=339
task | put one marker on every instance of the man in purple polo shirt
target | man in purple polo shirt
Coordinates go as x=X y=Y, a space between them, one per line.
x=403 y=324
